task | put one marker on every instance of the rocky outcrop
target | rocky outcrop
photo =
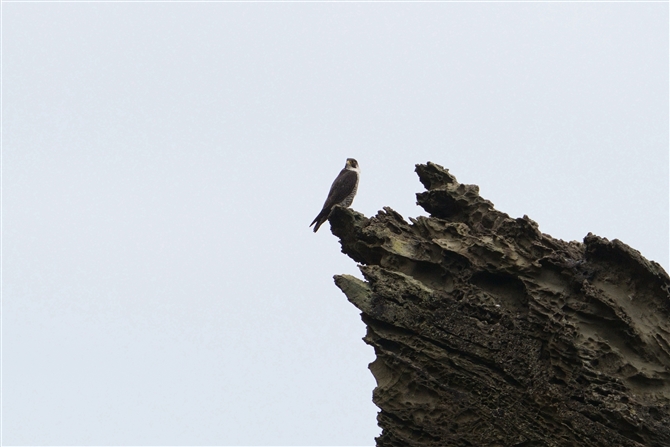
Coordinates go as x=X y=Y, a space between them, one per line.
x=488 y=332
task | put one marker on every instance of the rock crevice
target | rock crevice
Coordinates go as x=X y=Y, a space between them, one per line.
x=488 y=332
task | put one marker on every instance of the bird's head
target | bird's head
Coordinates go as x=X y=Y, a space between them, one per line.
x=351 y=164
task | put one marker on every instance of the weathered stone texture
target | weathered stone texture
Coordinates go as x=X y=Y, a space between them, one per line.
x=489 y=333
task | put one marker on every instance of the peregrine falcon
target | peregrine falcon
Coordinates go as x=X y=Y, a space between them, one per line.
x=341 y=192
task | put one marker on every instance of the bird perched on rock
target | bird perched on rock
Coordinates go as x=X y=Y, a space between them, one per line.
x=342 y=191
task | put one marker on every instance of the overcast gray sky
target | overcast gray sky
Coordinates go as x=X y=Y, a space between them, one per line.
x=162 y=163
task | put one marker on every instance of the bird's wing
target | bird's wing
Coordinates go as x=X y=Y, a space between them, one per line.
x=341 y=187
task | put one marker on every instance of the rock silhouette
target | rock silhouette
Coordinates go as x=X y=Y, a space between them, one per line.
x=488 y=332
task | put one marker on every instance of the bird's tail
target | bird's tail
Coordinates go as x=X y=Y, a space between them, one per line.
x=320 y=219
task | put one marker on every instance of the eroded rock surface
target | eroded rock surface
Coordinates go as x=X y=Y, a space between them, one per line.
x=489 y=333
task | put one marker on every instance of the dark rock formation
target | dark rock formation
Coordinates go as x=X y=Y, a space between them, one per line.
x=489 y=333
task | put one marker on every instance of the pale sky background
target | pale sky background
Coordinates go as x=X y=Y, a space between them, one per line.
x=162 y=163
